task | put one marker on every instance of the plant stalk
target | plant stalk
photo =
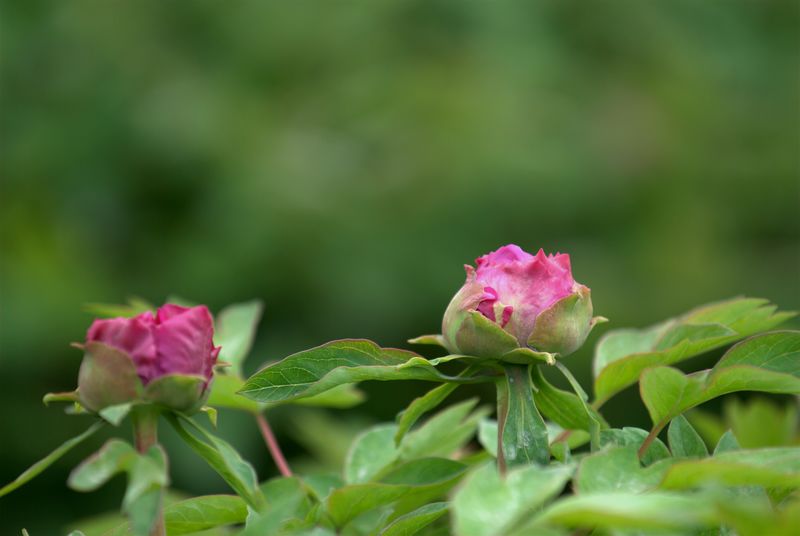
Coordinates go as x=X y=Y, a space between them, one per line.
x=273 y=446
x=502 y=414
x=145 y=435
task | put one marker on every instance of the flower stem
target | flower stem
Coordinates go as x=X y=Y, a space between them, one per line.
x=272 y=445
x=502 y=414
x=145 y=435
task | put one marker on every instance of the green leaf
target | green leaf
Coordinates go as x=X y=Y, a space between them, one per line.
x=487 y=436
x=486 y=504
x=524 y=434
x=769 y=362
x=34 y=470
x=562 y=407
x=224 y=394
x=726 y=443
x=340 y=397
x=146 y=477
x=135 y=306
x=771 y=467
x=423 y=404
x=235 y=330
x=415 y=521
x=287 y=500
x=371 y=452
x=202 y=513
x=621 y=509
x=761 y=422
x=635 y=436
x=223 y=458
x=622 y=355
x=444 y=433
x=684 y=441
x=617 y=469
x=418 y=481
x=116 y=414
x=319 y=369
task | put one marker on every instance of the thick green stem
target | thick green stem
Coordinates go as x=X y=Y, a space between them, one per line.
x=145 y=435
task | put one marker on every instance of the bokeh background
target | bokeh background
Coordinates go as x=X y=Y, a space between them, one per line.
x=342 y=160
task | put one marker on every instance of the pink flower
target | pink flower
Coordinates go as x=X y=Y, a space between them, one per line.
x=177 y=340
x=533 y=299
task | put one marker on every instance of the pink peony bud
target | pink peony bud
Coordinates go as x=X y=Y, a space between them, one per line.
x=166 y=358
x=533 y=299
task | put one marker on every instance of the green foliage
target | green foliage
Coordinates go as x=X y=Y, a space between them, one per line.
x=622 y=355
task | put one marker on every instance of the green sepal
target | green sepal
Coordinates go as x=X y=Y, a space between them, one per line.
x=526 y=356
x=434 y=340
x=480 y=337
x=563 y=327
x=186 y=393
x=69 y=396
x=107 y=377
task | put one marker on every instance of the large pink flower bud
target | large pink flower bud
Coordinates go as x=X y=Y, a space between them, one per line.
x=167 y=358
x=515 y=300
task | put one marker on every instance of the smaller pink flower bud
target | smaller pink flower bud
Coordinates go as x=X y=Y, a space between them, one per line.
x=167 y=358
x=532 y=299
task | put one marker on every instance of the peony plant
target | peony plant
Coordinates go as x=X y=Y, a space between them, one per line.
x=542 y=461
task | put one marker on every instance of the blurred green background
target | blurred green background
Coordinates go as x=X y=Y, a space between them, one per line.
x=343 y=160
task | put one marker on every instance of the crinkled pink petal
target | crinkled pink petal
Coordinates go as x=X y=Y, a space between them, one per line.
x=184 y=340
x=527 y=284
x=134 y=336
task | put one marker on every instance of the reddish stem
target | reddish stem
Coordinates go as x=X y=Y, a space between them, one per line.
x=650 y=438
x=272 y=445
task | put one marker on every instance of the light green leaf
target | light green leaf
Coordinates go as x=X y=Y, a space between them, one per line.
x=620 y=509
x=617 y=469
x=202 y=513
x=761 y=422
x=726 y=443
x=622 y=355
x=34 y=470
x=684 y=441
x=370 y=453
x=768 y=362
x=135 y=306
x=223 y=458
x=224 y=394
x=235 y=330
x=772 y=467
x=116 y=414
x=433 y=340
x=635 y=436
x=319 y=369
x=287 y=501
x=487 y=436
x=486 y=504
x=146 y=477
x=423 y=404
x=415 y=521
x=418 y=481
x=524 y=434
x=444 y=433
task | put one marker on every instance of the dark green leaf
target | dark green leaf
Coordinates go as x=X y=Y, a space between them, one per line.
x=562 y=407
x=223 y=458
x=684 y=441
x=622 y=355
x=201 y=513
x=314 y=371
x=486 y=504
x=524 y=434
x=48 y=460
